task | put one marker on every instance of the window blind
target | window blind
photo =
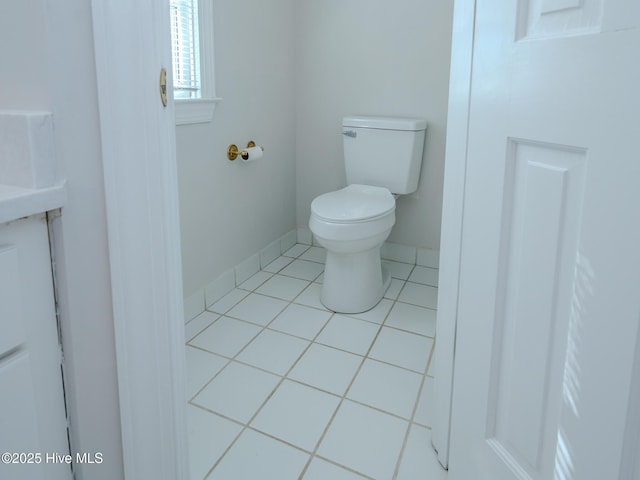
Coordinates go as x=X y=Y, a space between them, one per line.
x=185 y=48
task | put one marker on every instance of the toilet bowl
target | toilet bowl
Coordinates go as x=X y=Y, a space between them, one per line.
x=352 y=224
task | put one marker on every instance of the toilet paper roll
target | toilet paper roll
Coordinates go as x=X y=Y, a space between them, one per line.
x=254 y=153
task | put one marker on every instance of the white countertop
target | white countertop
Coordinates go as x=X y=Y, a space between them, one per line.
x=18 y=202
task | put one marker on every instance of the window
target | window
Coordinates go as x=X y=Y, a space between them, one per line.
x=192 y=57
x=185 y=49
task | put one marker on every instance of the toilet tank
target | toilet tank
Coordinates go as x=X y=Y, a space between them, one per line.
x=384 y=151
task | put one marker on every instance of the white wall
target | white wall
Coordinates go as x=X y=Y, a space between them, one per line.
x=230 y=211
x=49 y=65
x=288 y=72
x=372 y=57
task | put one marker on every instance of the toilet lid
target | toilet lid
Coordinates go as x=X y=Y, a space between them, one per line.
x=353 y=204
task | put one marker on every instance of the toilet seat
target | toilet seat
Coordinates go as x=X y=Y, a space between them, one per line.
x=353 y=204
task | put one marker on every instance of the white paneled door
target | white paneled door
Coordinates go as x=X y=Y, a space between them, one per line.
x=546 y=369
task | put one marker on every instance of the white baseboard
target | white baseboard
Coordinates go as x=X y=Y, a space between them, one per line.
x=428 y=257
x=197 y=303
x=194 y=305
x=398 y=253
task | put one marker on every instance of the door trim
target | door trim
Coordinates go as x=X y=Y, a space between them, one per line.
x=452 y=215
x=141 y=192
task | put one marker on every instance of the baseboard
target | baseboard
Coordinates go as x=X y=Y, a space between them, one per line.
x=197 y=303
x=194 y=305
x=425 y=257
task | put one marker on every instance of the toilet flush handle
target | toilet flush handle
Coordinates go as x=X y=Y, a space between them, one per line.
x=350 y=133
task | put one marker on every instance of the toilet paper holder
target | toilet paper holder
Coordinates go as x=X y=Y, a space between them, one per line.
x=233 y=152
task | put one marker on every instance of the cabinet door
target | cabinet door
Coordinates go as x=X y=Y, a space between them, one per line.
x=33 y=430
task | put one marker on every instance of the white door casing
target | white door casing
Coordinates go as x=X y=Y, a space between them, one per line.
x=546 y=376
x=132 y=44
x=451 y=236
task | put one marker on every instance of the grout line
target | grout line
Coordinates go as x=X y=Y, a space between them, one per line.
x=345 y=467
x=187 y=340
x=282 y=379
x=311 y=342
x=231 y=307
x=413 y=415
x=344 y=396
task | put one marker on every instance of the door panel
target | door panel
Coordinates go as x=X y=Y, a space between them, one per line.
x=548 y=308
x=542 y=202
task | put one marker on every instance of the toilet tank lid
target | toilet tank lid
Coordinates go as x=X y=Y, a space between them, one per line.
x=385 y=123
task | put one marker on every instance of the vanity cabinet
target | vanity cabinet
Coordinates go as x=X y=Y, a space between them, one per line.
x=33 y=426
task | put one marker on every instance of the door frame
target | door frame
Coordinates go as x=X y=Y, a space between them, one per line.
x=452 y=215
x=147 y=296
x=141 y=192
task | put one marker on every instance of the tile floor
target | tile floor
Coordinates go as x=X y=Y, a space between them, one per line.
x=282 y=388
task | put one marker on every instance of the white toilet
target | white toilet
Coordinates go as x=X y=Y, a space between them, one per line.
x=383 y=156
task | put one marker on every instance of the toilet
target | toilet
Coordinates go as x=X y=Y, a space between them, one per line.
x=382 y=156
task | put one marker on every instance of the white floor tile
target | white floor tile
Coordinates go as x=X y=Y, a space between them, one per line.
x=386 y=387
x=326 y=368
x=257 y=309
x=273 y=351
x=424 y=412
x=209 y=436
x=278 y=264
x=413 y=319
x=301 y=321
x=377 y=314
x=297 y=250
x=227 y=302
x=424 y=275
x=394 y=289
x=419 y=459
x=398 y=270
x=226 y=336
x=201 y=367
x=403 y=349
x=256 y=456
x=303 y=269
x=286 y=288
x=348 y=334
x=256 y=280
x=362 y=441
x=315 y=254
x=198 y=324
x=296 y=414
x=365 y=440
x=311 y=297
x=237 y=392
x=322 y=470
x=417 y=294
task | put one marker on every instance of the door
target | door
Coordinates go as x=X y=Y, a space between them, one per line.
x=549 y=287
x=33 y=426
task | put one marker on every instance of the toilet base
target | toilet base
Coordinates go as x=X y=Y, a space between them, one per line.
x=354 y=282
